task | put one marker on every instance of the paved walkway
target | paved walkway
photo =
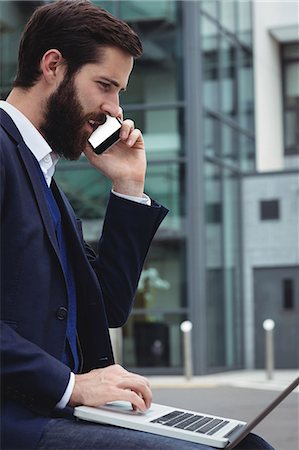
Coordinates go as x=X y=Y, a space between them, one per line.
x=239 y=394
x=255 y=379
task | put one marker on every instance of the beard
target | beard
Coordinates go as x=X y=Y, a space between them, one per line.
x=64 y=120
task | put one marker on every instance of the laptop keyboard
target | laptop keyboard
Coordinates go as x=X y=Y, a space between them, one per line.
x=191 y=422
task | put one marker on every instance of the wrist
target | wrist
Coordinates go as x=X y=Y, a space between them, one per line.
x=76 y=398
x=128 y=187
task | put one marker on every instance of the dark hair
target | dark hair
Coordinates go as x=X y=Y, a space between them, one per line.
x=78 y=29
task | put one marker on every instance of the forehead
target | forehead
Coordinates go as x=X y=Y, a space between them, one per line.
x=113 y=63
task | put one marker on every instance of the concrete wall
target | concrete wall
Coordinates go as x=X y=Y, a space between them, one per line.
x=271 y=243
x=268 y=15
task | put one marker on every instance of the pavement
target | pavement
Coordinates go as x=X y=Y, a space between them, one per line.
x=238 y=394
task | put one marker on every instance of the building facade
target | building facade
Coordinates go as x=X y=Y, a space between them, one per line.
x=197 y=96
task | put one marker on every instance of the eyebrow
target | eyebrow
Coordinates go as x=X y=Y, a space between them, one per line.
x=114 y=82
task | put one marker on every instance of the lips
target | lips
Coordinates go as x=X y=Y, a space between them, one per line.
x=94 y=123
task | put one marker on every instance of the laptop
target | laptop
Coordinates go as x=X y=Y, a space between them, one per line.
x=215 y=431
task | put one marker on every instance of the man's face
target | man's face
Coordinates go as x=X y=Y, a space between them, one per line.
x=81 y=101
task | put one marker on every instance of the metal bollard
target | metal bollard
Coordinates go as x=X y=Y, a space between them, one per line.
x=186 y=328
x=268 y=326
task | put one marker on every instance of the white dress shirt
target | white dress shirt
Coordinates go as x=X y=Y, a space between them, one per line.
x=47 y=160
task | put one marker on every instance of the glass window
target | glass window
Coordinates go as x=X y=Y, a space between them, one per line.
x=88 y=192
x=228 y=15
x=229 y=144
x=210 y=7
x=290 y=51
x=135 y=10
x=245 y=90
x=231 y=267
x=211 y=136
x=269 y=209
x=292 y=83
x=13 y=16
x=162 y=129
x=162 y=284
x=290 y=61
x=214 y=269
x=156 y=76
x=165 y=182
x=246 y=153
x=288 y=293
x=213 y=231
x=222 y=269
x=228 y=77
x=106 y=4
x=210 y=61
x=244 y=19
x=153 y=341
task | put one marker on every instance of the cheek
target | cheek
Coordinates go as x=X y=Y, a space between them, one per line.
x=89 y=100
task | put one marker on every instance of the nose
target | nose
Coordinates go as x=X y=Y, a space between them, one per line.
x=111 y=108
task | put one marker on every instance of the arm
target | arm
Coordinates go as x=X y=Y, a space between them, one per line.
x=128 y=228
x=29 y=375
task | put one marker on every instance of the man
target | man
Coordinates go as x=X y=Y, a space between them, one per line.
x=58 y=297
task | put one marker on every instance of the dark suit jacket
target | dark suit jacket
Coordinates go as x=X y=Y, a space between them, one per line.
x=33 y=288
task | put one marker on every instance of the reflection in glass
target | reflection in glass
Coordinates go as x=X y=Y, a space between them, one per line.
x=210 y=61
x=135 y=10
x=210 y=7
x=213 y=201
x=245 y=90
x=244 y=21
x=156 y=77
x=292 y=82
x=247 y=153
x=291 y=98
x=228 y=77
x=211 y=126
x=162 y=131
x=107 y=5
x=162 y=285
x=88 y=192
x=227 y=15
x=222 y=259
x=13 y=16
x=229 y=145
x=214 y=269
x=153 y=343
x=291 y=130
x=231 y=268
x=166 y=183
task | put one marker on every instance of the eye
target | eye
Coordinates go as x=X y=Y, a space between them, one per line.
x=104 y=86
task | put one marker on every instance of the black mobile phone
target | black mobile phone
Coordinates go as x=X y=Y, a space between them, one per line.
x=105 y=135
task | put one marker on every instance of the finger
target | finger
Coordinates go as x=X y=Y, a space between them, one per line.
x=136 y=401
x=140 y=389
x=126 y=129
x=120 y=115
x=133 y=137
x=137 y=377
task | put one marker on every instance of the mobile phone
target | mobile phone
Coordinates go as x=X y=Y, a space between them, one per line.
x=105 y=135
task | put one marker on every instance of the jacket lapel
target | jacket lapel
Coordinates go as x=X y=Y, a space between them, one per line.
x=33 y=177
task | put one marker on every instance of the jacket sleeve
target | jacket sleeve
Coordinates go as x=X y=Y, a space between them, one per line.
x=128 y=230
x=30 y=375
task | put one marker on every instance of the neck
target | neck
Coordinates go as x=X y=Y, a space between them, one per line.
x=29 y=102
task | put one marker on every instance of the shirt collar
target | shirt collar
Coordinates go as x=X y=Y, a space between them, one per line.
x=32 y=137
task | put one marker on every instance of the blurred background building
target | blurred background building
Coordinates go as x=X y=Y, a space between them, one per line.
x=217 y=97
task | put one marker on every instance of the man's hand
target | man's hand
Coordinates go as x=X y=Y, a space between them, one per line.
x=125 y=162
x=100 y=386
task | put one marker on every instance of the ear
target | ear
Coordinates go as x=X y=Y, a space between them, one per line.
x=52 y=66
